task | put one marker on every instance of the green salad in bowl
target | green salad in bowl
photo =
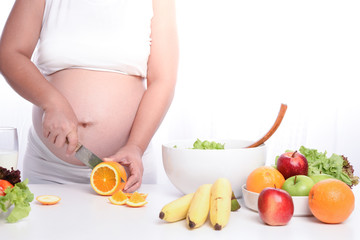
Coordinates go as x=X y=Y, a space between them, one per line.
x=206 y=145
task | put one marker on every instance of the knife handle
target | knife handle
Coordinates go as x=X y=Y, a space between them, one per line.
x=78 y=145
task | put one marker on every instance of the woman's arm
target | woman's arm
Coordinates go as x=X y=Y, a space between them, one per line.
x=161 y=79
x=18 y=41
x=161 y=76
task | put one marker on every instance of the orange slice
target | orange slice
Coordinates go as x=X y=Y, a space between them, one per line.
x=142 y=194
x=48 y=199
x=108 y=177
x=119 y=198
x=136 y=200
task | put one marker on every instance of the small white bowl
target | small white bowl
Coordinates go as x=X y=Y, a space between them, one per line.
x=301 y=204
x=189 y=168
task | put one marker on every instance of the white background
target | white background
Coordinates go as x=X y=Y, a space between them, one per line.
x=239 y=61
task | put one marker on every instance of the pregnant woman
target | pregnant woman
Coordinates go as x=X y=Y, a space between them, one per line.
x=99 y=72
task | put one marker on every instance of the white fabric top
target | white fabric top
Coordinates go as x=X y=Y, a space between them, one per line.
x=107 y=35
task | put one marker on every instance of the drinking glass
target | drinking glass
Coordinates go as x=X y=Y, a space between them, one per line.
x=9 y=149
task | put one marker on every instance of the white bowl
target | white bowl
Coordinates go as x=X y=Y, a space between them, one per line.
x=189 y=168
x=301 y=204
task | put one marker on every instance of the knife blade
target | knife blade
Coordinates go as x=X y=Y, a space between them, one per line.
x=86 y=156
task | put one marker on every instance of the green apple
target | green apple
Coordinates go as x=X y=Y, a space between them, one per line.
x=318 y=177
x=298 y=185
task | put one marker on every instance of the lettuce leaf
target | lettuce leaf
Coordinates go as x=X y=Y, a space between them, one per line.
x=198 y=144
x=12 y=176
x=20 y=197
x=334 y=165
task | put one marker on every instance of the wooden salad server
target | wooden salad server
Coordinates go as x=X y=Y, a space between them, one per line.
x=278 y=120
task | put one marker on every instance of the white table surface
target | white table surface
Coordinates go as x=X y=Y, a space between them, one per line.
x=82 y=214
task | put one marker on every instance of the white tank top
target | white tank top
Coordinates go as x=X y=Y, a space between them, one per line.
x=107 y=35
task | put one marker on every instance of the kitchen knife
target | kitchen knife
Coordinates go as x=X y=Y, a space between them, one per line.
x=86 y=156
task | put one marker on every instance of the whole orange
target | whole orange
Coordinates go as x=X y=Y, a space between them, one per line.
x=262 y=177
x=331 y=201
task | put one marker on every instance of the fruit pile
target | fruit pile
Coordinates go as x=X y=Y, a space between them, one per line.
x=330 y=200
x=216 y=200
x=109 y=179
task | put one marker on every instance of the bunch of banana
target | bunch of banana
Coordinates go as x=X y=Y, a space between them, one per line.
x=216 y=200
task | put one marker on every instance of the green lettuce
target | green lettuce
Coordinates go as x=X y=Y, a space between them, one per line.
x=198 y=144
x=335 y=165
x=20 y=197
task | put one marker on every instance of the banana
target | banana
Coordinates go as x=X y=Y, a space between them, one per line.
x=220 y=203
x=177 y=209
x=199 y=207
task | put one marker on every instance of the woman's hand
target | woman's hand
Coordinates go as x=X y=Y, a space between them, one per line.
x=130 y=156
x=60 y=126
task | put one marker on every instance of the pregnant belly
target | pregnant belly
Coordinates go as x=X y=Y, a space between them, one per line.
x=105 y=104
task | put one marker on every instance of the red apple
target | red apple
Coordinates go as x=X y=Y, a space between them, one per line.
x=275 y=206
x=291 y=164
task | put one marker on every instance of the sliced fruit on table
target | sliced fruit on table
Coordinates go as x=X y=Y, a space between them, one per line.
x=142 y=194
x=136 y=200
x=331 y=201
x=48 y=199
x=119 y=198
x=108 y=177
x=262 y=177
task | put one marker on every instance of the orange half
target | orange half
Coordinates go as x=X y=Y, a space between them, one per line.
x=108 y=177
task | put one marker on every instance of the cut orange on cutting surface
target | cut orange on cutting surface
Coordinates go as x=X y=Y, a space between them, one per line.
x=48 y=199
x=262 y=177
x=108 y=177
x=136 y=200
x=331 y=201
x=119 y=198
x=142 y=194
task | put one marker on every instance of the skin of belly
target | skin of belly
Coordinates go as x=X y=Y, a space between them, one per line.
x=105 y=104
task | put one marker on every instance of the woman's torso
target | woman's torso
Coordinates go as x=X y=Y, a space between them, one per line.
x=105 y=104
x=100 y=71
